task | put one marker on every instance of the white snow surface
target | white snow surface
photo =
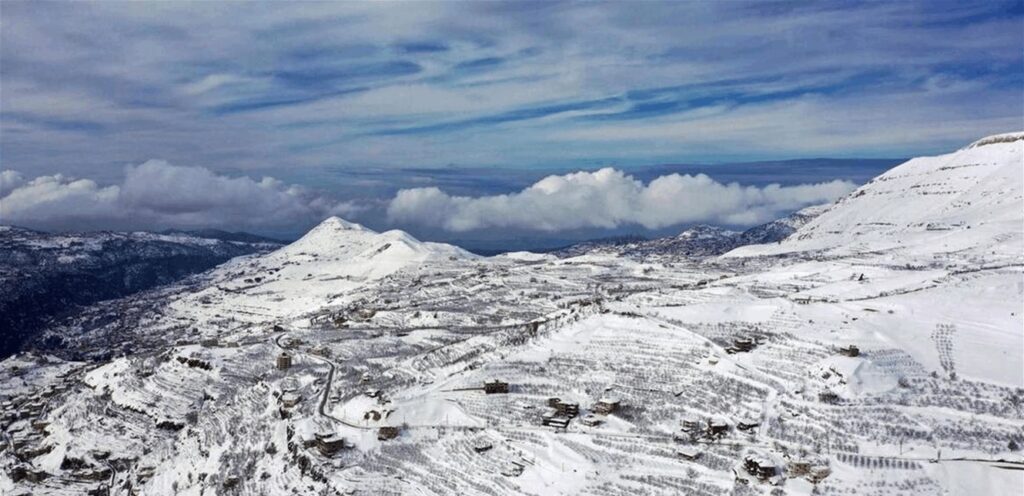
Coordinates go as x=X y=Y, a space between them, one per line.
x=922 y=270
x=966 y=200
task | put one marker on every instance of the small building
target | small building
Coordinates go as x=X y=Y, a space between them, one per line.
x=387 y=432
x=329 y=443
x=284 y=361
x=718 y=426
x=798 y=467
x=591 y=420
x=558 y=423
x=759 y=466
x=495 y=387
x=747 y=424
x=555 y=419
x=209 y=342
x=850 y=351
x=692 y=423
x=482 y=446
x=605 y=406
x=743 y=344
x=571 y=410
x=290 y=399
x=688 y=453
x=818 y=473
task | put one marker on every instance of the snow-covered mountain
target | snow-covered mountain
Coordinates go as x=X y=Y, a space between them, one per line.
x=877 y=350
x=965 y=201
x=43 y=274
x=363 y=251
x=331 y=260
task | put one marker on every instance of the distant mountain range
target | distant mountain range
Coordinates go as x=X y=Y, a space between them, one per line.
x=698 y=241
x=242 y=237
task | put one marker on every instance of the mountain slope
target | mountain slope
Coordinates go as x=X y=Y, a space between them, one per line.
x=355 y=362
x=45 y=274
x=965 y=201
x=334 y=257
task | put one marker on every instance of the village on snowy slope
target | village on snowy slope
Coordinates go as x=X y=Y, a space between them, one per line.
x=879 y=349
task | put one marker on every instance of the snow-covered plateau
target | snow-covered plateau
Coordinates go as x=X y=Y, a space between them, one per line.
x=876 y=350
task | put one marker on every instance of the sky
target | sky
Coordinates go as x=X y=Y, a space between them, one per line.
x=483 y=119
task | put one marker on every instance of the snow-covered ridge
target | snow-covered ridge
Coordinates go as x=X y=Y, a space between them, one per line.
x=968 y=200
x=997 y=138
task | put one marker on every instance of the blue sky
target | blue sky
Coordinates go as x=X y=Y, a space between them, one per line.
x=313 y=93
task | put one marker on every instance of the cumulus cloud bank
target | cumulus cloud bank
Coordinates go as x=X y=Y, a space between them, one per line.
x=159 y=194
x=609 y=198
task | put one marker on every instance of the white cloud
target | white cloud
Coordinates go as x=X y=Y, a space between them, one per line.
x=156 y=194
x=9 y=180
x=610 y=198
x=212 y=82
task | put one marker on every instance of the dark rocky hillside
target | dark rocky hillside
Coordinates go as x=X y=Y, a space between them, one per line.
x=44 y=276
x=698 y=241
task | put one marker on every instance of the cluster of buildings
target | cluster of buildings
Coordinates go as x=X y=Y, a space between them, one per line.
x=713 y=428
x=763 y=467
x=23 y=420
x=560 y=413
